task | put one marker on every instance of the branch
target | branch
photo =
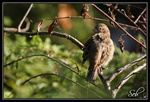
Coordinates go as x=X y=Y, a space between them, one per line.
x=64 y=35
x=20 y=59
x=93 y=18
x=107 y=82
x=140 y=16
x=27 y=26
x=104 y=81
x=63 y=78
x=120 y=70
x=104 y=20
x=19 y=27
x=131 y=21
x=119 y=26
x=115 y=91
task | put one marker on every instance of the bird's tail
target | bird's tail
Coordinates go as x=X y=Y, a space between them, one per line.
x=92 y=73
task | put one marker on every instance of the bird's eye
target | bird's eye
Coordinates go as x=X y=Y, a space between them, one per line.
x=101 y=29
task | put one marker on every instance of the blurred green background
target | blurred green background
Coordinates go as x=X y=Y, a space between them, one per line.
x=64 y=51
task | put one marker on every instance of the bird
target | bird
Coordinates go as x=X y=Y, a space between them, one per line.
x=99 y=50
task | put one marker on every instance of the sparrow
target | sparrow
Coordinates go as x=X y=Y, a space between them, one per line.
x=99 y=50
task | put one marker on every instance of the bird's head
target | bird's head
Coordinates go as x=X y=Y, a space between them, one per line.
x=101 y=28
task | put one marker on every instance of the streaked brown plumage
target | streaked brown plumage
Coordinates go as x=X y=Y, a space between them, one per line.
x=99 y=50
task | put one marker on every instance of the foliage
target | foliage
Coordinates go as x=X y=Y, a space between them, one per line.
x=50 y=86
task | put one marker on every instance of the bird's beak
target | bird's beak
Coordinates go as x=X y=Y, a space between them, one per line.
x=95 y=30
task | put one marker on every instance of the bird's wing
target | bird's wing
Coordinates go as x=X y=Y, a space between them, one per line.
x=87 y=47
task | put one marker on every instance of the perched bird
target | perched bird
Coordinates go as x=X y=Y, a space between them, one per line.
x=99 y=50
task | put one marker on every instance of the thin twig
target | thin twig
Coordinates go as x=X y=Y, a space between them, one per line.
x=29 y=9
x=63 y=78
x=63 y=64
x=132 y=21
x=140 y=15
x=104 y=20
x=11 y=30
x=43 y=56
x=119 y=26
x=93 y=18
x=57 y=18
x=20 y=59
x=115 y=91
x=48 y=58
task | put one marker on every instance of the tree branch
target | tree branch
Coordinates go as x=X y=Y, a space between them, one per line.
x=64 y=35
x=140 y=16
x=20 y=59
x=120 y=70
x=115 y=91
x=93 y=18
x=19 y=27
x=103 y=79
x=131 y=21
x=107 y=82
